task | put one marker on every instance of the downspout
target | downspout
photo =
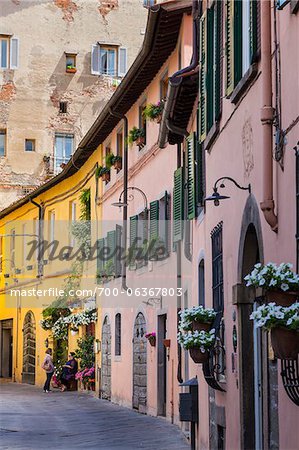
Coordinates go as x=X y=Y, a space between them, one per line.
x=41 y=211
x=267 y=117
x=125 y=190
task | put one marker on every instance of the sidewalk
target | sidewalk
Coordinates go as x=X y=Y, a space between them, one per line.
x=30 y=419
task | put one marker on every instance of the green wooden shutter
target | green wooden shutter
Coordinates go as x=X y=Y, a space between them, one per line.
x=154 y=219
x=191 y=176
x=229 y=47
x=210 y=69
x=118 y=265
x=100 y=262
x=202 y=79
x=133 y=237
x=253 y=32
x=111 y=244
x=217 y=59
x=199 y=168
x=238 y=33
x=178 y=205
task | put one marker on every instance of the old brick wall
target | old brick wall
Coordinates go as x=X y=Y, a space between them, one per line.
x=30 y=95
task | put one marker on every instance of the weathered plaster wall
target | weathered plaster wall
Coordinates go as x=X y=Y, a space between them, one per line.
x=30 y=95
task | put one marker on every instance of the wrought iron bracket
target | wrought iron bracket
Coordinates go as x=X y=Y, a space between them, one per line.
x=290 y=378
x=212 y=368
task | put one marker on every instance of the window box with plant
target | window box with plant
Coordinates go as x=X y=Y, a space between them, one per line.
x=153 y=112
x=104 y=173
x=112 y=160
x=71 y=69
x=107 y=273
x=283 y=323
x=197 y=318
x=137 y=135
x=279 y=283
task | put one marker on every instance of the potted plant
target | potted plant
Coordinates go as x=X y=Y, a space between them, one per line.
x=279 y=283
x=153 y=112
x=198 y=343
x=137 y=135
x=283 y=323
x=103 y=172
x=151 y=337
x=197 y=318
x=117 y=162
x=71 y=69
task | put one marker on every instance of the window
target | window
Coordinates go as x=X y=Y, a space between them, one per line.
x=138 y=239
x=63 y=150
x=29 y=145
x=210 y=69
x=63 y=107
x=201 y=283
x=108 y=60
x=9 y=52
x=178 y=205
x=242 y=39
x=12 y=248
x=164 y=86
x=70 y=61
x=217 y=268
x=118 y=334
x=2 y=142
x=120 y=143
x=149 y=3
x=159 y=216
x=142 y=120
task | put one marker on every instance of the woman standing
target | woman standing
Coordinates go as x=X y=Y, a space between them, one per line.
x=48 y=367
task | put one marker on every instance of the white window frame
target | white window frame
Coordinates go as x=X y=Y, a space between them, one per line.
x=3 y=133
x=12 y=57
x=246 y=36
x=120 y=52
x=57 y=169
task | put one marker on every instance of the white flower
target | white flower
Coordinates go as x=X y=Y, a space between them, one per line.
x=284 y=287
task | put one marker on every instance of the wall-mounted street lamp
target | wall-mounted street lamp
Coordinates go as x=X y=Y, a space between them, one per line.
x=121 y=203
x=216 y=197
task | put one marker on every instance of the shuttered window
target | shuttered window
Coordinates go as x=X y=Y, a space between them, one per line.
x=9 y=52
x=118 y=262
x=178 y=205
x=117 y=334
x=107 y=60
x=190 y=173
x=202 y=79
x=242 y=39
x=122 y=61
x=100 y=257
x=133 y=240
x=111 y=244
x=154 y=220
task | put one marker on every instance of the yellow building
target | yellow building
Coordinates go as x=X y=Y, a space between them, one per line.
x=31 y=280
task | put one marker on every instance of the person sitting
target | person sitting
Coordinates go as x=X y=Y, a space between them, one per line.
x=68 y=372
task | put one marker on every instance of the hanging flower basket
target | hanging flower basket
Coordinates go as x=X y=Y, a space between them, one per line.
x=117 y=164
x=106 y=176
x=200 y=326
x=197 y=355
x=282 y=298
x=151 y=337
x=197 y=318
x=285 y=343
x=140 y=141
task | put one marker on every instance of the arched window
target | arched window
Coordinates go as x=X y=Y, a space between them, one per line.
x=201 y=283
x=118 y=334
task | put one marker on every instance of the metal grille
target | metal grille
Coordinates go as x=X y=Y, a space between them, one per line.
x=290 y=378
x=217 y=267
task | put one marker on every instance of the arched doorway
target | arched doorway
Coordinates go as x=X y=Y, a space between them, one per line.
x=139 y=364
x=106 y=360
x=29 y=349
x=257 y=375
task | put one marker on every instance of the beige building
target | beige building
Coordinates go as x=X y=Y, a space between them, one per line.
x=60 y=61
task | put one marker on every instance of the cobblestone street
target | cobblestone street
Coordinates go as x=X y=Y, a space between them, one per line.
x=31 y=419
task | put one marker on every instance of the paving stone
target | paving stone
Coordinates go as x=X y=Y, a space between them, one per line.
x=30 y=419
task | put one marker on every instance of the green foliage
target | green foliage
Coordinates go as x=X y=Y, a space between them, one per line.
x=59 y=355
x=100 y=171
x=152 y=111
x=85 y=204
x=109 y=160
x=85 y=352
x=134 y=134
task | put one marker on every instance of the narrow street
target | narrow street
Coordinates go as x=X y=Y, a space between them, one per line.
x=31 y=419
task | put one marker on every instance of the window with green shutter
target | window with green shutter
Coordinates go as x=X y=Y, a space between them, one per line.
x=190 y=172
x=111 y=244
x=118 y=262
x=242 y=39
x=202 y=78
x=154 y=220
x=100 y=256
x=133 y=241
x=178 y=205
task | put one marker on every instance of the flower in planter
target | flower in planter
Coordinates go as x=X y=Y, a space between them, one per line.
x=198 y=314
x=272 y=315
x=101 y=171
x=202 y=340
x=153 y=111
x=151 y=337
x=136 y=134
x=273 y=277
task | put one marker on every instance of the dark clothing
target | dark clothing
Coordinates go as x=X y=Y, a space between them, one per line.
x=68 y=373
x=48 y=381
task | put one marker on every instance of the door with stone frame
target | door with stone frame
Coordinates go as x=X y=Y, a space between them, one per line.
x=140 y=364
x=29 y=349
x=106 y=360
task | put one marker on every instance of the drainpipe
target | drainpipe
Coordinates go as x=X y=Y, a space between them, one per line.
x=125 y=190
x=267 y=117
x=41 y=211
